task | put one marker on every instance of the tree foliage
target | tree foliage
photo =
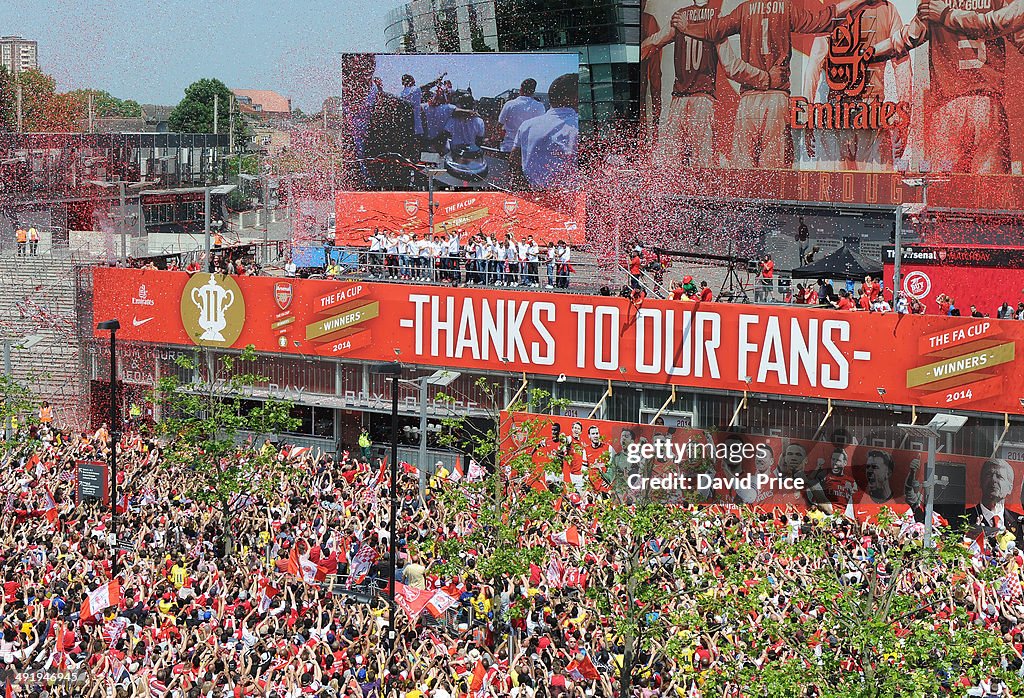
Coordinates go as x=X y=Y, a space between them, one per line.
x=874 y=633
x=505 y=504
x=43 y=109
x=8 y=106
x=205 y=421
x=104 y=104
x=194 y=113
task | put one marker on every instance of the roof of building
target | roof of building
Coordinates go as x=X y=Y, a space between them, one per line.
x=116 y=124
x=268 y=99
x=156 y=112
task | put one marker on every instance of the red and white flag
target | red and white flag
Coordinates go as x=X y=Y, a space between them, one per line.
x=122 y=503
x=49 y=505
x=114 y=631
x=457 y=472
x=267 y=594
x=107 y=595
x=582 y=669
x=979 y=546
x=475 y=472
x=298 y=452
x=299 y=565
x=440 y=602
x=312 y=572
x=412 y=600
x=362 y=561
x=570 y=536
x=479 y=673
x=553 y=573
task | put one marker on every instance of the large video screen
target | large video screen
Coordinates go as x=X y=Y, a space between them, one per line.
x=508 y=121
x=808 y=87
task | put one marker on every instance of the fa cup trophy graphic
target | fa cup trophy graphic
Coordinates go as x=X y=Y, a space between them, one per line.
x=213 y=301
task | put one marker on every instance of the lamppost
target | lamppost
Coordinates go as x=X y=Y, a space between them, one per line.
x=219 y=190
x=115 y=432
x=941 y=424
x=922 y=181
x=394 y=370
x=23 y=343
x=122 y=187
x=441 y=379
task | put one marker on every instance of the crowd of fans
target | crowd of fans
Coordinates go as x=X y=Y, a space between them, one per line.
x=188 y=620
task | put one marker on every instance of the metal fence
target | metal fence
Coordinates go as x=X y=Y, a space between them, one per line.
x=582 y=275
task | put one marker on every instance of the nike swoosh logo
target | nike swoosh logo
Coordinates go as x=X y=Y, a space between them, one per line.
x=136 y=322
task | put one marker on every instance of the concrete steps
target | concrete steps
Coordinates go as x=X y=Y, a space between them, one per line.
x=37 y=296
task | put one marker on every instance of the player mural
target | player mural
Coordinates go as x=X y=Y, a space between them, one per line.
x=858 y=85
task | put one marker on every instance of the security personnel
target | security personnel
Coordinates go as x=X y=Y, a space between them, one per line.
x=33 y=240
x=364 y=443
x=134 y=412
x=45 y=413
x=218 y=241
x=22 y=237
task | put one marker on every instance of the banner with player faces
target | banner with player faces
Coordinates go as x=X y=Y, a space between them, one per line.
x=819 y=86
x=712 y=467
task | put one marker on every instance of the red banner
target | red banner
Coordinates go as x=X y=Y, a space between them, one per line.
x=928 y=272
x=494 y=214
x=917 y=360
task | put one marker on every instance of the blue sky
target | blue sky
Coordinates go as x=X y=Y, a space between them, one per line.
x=488 y=74
x=150 y=51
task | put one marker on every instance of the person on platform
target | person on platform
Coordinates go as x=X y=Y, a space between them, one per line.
x=545 y=147
x=517 y=111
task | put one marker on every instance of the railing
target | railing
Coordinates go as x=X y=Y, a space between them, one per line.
x=581 y=276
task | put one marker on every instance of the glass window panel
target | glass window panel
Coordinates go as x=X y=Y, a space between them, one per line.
x=600 y=72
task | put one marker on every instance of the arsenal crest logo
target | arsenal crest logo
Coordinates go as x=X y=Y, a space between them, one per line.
x=510 y=207
x=283 y=294
x=412 y=207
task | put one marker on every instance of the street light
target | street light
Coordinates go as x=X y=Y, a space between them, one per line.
x=441 y=379
x=922 y=181
x=940 y=424
x=219 y=190
x=123 y=186
x=23 y=343
x=394 y=370
x=115 y=433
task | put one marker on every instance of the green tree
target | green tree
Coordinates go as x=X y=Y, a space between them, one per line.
x=16 y=400
x=104 y=104
x=194 y=113
x=205 y=422
x=879 y=635
x=639 y=614
x=8 y=102
x=505 y=505
x=43 y=108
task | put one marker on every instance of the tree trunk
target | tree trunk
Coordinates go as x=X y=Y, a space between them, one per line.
x=626 y=677
x=229 y=540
